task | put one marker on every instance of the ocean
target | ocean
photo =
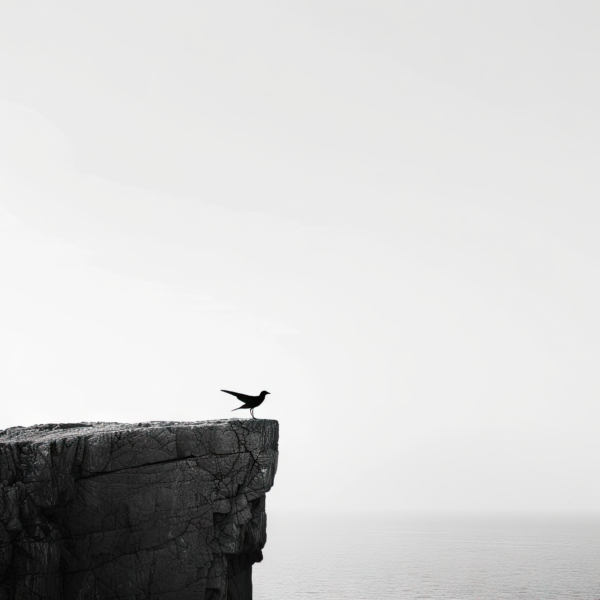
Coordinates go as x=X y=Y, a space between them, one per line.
x=436 y=557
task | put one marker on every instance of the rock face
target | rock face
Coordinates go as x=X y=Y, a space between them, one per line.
x=160 y=510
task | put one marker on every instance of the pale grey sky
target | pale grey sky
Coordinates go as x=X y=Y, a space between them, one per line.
x=384 y=213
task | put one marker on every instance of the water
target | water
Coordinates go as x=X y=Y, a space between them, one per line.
x=410 y=557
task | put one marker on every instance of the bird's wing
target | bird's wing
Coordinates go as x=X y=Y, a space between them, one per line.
x=240 y=397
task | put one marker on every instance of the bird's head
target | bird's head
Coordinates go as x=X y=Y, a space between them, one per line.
x=263 y=393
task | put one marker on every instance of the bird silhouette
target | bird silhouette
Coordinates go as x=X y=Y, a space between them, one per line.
x=250 y=402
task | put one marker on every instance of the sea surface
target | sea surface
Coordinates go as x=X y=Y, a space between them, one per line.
x=437 y=557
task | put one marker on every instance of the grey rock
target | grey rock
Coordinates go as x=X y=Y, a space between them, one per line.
x=159 y=510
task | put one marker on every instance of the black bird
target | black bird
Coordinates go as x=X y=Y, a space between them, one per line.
x=250 y=402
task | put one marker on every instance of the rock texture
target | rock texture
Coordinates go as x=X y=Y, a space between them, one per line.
x=161 y=510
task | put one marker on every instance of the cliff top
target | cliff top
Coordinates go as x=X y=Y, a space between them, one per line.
x=56 y=431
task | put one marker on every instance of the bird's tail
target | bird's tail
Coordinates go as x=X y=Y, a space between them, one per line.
x=239 y=408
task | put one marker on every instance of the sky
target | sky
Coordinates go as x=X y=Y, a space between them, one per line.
x=384 y=213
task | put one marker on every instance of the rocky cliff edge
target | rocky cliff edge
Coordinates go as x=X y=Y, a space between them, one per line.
x=159 y=510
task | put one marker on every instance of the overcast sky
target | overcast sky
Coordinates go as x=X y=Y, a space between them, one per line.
x=385 y=213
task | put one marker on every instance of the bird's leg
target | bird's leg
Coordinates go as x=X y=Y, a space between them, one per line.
x=252 y=413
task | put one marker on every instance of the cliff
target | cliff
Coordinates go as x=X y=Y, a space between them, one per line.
x=160 y=510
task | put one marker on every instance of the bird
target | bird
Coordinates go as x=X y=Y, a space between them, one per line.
x=250 y=402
